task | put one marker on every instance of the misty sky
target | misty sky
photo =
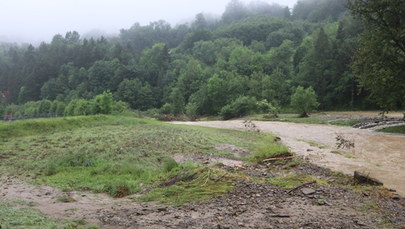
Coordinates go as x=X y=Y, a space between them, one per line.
x=39 y=20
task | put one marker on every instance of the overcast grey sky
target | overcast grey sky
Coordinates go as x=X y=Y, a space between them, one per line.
x=39 y=20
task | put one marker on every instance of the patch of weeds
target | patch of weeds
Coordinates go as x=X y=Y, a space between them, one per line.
x=292 y=163
x=370 y=206
x=15 y=215
x=265 y=150
x=344 y=122
x=117 y=189
x=65 y=199
x=320 y=202
x=291 y=181
x=169 y=164
x=385 y=223
x=394 y=129
x=207 y=183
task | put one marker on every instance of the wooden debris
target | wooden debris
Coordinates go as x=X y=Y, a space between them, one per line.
x=302 y=185
x=240 y=166
x=280 y=215
x=278 y=158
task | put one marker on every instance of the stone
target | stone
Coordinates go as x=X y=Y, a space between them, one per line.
x=308 y=191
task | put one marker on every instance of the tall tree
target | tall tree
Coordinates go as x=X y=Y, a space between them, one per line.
x=380 y=61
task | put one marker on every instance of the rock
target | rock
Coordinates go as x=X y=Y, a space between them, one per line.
x=161 y=209
x=365 y=179
x=308 y=191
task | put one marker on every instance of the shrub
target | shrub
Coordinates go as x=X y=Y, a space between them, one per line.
x=44 y=107
x=191 y=111
x=117 y=189
x=60 y=108
x=103 y=103
x=169 y=164
x=304 y=101
x=241 y=106
x=119 y=107
x=167 y=108
x=82 y=107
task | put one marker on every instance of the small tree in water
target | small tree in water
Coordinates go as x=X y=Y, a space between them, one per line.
x=304 y=101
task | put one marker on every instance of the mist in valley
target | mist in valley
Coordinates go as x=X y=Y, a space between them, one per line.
x=26 y=21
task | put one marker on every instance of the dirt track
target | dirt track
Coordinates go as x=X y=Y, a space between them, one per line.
x=380 y=155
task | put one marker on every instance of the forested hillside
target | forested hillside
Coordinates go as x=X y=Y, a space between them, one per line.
x=254 y=52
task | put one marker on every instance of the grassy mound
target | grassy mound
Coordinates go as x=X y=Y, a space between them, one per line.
x=119 y=155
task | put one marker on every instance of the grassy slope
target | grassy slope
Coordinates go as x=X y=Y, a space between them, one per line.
x=116 y=155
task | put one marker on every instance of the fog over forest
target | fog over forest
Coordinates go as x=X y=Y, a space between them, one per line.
x=36 y=21
x=252 y=57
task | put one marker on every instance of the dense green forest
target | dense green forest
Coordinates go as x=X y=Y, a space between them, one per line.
x=255 y=53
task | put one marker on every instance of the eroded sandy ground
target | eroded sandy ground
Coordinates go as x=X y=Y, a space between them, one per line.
x=379 y=155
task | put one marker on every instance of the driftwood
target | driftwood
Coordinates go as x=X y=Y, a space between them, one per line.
x=280 y=215
x=240 y=166
x=301 y=186
x=277 y=158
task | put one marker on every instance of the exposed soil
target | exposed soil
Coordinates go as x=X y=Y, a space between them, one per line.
x=249 y=205
x=380 y=155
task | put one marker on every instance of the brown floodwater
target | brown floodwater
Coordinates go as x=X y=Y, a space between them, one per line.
x=380 y=155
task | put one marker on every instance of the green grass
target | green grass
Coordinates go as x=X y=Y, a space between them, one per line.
x=344 y=122
x=394 y=129
x=48 y=125
x=314 y=118
x=208 y=182
x=112 y=154
x=264 y=150
x=18 y=214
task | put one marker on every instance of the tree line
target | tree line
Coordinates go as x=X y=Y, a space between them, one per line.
x=255 y=54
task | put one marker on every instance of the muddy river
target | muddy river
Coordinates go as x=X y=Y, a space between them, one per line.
x=379 y=155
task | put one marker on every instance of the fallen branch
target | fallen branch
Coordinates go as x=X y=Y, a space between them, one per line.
x=280 y=215
x=277 y=158
x=239 y=166
x=301 y=186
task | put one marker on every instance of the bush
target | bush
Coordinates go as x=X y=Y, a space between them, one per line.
x=44 y=107
x=191 y=111
x=60 y=108
x=82 y=107
x=241 y=106
x=117 y=189
x=169 y=164
x=119 y=107
x=304 y=101
x=103 y=103
x=166 y=109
